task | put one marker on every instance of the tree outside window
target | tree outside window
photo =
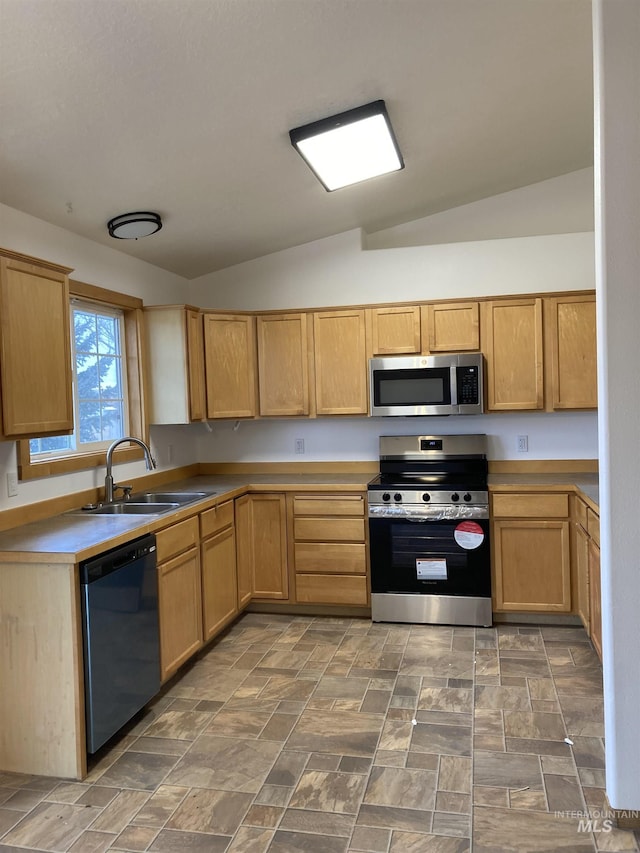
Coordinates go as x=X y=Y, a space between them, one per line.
x=99 y=390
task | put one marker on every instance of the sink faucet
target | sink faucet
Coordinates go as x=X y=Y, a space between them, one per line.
x=109 y=485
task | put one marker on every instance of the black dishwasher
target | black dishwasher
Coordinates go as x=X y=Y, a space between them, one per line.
x=121 y=636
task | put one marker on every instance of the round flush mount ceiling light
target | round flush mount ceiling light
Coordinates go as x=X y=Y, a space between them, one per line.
x=130 y=226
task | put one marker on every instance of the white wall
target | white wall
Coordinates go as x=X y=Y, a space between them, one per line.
x=335 y=271
x=339 y=271
x=617 y=143
x=562 y=435
x=557 y=206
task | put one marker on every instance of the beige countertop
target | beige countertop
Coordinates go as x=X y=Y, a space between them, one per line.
x=586 y=483
x=74 y=536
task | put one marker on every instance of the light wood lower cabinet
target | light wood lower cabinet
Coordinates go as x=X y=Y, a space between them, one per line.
x=179 y=594
x=531 y=552
x=218 y=558
x=262 y=547
x=329 y=548
x=595 y=597
x=586 y=570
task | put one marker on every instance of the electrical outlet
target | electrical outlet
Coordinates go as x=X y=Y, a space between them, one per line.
x=12 y=484
x=299 y=445
x=523 y=444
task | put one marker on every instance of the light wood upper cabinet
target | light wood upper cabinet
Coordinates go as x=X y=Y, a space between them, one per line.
x=512 y=341
x=261 y=529
x=450 y=327
x=340 y=362
x=175 y=349
x=283 y=364
x=395 y=330
x=230 y=365
x=35 y=348
x=570 y=338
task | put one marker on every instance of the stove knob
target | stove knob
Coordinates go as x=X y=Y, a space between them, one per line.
x=386 y=496
x=467 y=497
x=455 y=497
x=426 y=497
x=397 y=496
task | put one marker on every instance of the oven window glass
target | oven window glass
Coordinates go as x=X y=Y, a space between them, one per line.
x=423 y=386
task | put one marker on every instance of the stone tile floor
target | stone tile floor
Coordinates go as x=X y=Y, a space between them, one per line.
x=327 y=735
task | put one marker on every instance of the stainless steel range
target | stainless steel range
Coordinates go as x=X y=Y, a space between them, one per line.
x=429 y=531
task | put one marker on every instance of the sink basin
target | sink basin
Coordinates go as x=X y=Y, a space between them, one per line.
x=134 y=508
x=170 y=497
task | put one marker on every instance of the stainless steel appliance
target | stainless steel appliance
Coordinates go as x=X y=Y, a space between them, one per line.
x=426 y=385
x=120 y=636
x=429 y=531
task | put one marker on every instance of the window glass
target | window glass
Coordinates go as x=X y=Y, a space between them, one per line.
x=99 y=383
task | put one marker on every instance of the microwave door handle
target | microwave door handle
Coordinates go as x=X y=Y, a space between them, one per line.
x=453 y=383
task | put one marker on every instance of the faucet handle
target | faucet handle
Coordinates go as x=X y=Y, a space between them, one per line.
x=126 y=490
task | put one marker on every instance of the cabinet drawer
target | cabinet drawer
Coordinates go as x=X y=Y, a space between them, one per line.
x=216 y=518
x=552 y=505
x=329 y=529
x=177 y=538
x=330 y=557
x=580 y=512
x=331 y=589
x=593 y=525
x=329 y=505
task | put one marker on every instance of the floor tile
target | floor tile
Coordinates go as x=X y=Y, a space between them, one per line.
x=338 y=735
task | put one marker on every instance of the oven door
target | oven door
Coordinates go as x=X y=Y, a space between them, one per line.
x=425 y=556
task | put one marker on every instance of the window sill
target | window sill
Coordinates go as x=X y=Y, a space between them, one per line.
x=28 y=470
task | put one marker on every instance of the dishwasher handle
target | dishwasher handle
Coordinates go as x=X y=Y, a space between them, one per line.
x=117 y=558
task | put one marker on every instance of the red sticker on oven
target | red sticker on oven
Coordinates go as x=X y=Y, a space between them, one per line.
x=469 y=535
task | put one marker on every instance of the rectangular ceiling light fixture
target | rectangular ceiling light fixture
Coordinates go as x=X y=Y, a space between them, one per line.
x=349 y=147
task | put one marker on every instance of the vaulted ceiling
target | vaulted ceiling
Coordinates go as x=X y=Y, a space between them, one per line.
x=184 y=106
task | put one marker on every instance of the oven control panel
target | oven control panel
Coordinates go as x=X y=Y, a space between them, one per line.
x=382 y=497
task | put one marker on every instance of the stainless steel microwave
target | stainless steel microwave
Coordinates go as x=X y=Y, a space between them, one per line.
x=426 y=385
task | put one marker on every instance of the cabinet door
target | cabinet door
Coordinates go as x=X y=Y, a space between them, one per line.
x=283 y=365
x=219 y=582
x=262 y=545
x=532 y=566
x=244 y=549
x=570 y=335
x=451 y=327
x=180 y=610
x=512 y=344
x=395 y=329
x=581 y=558
x=595 y=597
x=176 y=364
x=195 y=364
x=340 y=362
x=35 y=362
x=230 y=365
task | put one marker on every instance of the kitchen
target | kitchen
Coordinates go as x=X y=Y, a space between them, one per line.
x=564 y=261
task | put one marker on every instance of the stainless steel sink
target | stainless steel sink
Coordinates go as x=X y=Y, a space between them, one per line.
x=134 y=508
x=170 y=497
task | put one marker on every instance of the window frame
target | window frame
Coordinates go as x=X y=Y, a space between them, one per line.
x=135 y=368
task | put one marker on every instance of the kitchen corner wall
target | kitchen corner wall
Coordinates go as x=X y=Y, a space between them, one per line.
x=340 y=270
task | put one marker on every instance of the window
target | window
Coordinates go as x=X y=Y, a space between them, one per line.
x=99 y=383
x=106 y=336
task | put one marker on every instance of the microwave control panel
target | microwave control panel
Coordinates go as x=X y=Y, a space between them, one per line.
x=468 y=385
